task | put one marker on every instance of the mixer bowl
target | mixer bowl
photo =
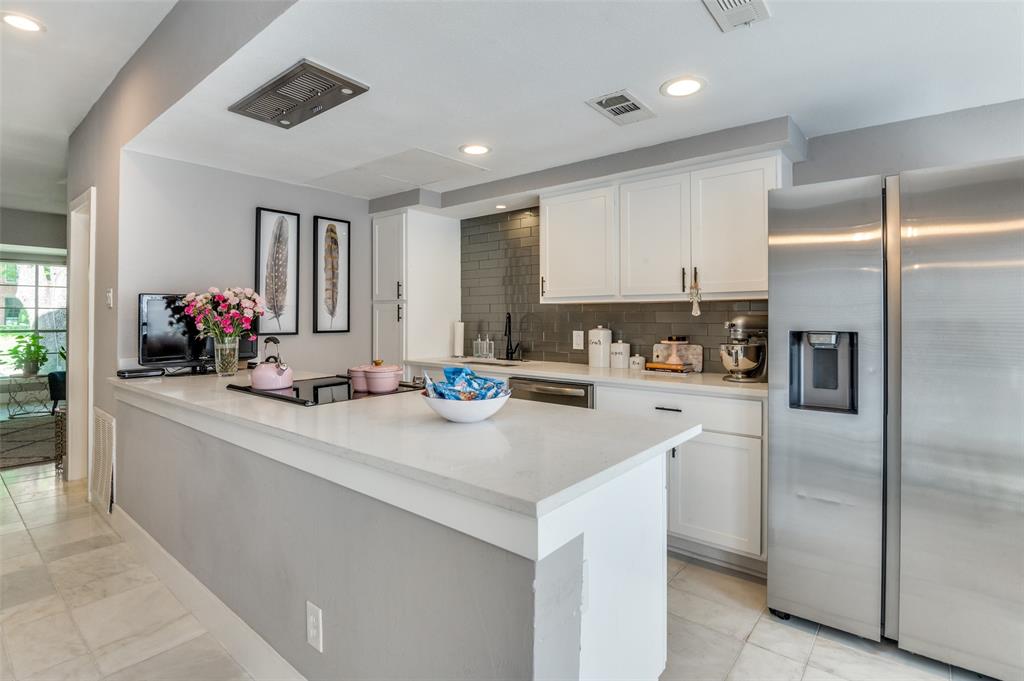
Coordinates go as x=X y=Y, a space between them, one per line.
x=745 y=362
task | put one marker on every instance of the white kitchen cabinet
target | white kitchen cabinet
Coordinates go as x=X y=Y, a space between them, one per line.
x=654 y=224
x=729 y=225
x=712 y=221
x=579 y=245
x=389 y=331
x=416 y=263
x=389 y=257
x=714 y=480
x=715 y=492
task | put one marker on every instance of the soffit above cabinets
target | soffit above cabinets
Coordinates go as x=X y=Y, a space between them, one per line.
x=399 y=172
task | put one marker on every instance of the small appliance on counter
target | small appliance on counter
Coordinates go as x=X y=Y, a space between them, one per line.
x=745 y=355
x=675 y=354
x=600 y=343
x=272 y=373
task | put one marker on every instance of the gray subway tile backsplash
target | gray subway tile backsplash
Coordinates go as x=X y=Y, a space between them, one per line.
x=501 y=273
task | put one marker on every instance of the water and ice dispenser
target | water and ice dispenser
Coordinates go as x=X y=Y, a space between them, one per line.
x=823 y=370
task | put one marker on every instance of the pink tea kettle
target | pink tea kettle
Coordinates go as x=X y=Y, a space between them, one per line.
x=271 y=373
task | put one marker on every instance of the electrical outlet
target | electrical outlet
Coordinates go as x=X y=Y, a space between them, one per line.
x=577 y=340
x=314 y=627
x=110 y=298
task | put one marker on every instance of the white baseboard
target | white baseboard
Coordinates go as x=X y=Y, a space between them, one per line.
x=248 y=648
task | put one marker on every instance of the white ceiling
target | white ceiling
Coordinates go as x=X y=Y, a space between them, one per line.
x=49 y=80
x=515 y=75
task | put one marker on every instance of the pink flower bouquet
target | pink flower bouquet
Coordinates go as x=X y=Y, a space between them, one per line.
x=227 y=314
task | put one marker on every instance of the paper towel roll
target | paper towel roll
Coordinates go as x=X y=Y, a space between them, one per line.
x=458 y=340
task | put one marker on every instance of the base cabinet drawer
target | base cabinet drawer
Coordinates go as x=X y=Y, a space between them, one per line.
x=723 y=415
x=715 y=491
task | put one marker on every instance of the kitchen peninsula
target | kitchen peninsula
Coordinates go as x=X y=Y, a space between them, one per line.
x=531 y=545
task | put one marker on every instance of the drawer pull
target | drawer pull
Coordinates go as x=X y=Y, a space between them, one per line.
x=678 y=411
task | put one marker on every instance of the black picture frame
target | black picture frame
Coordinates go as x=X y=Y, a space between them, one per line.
x=318 y=268
x=286 y=326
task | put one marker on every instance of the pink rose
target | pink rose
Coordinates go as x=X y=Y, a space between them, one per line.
x=213 y=289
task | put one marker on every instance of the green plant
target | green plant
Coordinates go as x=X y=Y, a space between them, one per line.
x=29 y=349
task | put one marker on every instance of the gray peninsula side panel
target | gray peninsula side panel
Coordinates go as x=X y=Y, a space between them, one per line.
x=402 y=597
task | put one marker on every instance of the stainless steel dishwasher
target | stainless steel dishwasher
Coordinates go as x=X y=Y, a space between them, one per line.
x=555 y=392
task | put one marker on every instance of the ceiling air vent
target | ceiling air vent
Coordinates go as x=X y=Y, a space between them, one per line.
x=621 y=107
x=303 y=91
x=730 y=14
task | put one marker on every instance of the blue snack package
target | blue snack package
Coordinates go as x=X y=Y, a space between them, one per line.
x=461 y=383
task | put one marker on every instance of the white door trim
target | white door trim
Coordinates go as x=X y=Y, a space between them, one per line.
x=81 y=215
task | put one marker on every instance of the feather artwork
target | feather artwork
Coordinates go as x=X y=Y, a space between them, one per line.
x=275 y=280
x=331 y=251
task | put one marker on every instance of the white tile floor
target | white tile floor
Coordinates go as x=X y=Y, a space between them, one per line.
x=76 y=603
x=719 y=628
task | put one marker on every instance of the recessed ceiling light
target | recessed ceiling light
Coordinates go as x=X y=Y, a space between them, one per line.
x=681 y=87
x=501 y=206
x=22 y=22
x=474 y=149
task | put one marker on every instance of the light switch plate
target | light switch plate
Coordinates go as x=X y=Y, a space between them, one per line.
x=314 y=627
x=577 y=340
x=110 y=298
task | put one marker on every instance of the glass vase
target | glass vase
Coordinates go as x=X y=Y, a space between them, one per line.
x=225 y=356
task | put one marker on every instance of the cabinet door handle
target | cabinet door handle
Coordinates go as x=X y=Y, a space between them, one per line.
x=696 y=282
x=542 y=281
x=673 y=452
x=399 y=313
x=398 y=290
x=684 y=280
x=672 y=409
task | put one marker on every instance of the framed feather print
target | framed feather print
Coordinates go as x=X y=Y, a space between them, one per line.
x=277 y=270
x=330 y=275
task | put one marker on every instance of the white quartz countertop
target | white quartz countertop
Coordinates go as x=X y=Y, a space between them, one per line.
x=704 y=383
x=530 y=457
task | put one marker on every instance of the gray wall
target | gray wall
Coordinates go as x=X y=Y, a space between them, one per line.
x=30 y=228
x=194 y=38
x=501 y=271
x=966 y=136
x=402 y=597
x=186 y=227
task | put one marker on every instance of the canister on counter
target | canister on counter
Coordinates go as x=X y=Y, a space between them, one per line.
x=637 y=362
x=600 y=342
x=620 y=355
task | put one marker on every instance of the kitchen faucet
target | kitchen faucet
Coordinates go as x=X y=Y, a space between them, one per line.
x=510 y=351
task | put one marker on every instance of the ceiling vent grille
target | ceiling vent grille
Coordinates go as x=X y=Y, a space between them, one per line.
x=300 y=93
x=620 y=107
x=731 y=14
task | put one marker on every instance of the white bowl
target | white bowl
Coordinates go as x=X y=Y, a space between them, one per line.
x=468 y=411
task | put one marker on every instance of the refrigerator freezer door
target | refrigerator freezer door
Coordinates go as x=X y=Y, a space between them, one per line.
x=825 y=484
x=962 y=509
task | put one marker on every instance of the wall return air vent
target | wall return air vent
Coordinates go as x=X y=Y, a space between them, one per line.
x=300 y=93
x=622 y=107
x=731 y=14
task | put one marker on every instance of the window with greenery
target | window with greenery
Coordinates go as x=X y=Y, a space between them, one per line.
x=35 y=299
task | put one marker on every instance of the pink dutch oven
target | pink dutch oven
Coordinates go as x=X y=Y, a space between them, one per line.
x=382 y=378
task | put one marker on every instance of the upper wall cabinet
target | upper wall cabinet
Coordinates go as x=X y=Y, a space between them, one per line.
x=710 y=223
x=579 y=245
x=654 y=221
x=729 y=225
x=389 y=257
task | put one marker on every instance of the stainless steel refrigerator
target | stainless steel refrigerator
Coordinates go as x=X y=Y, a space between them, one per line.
x=896 y=410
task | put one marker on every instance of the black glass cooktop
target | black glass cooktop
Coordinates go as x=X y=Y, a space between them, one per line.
x=311 y=392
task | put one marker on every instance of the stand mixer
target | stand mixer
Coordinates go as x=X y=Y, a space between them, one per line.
x=745 y=355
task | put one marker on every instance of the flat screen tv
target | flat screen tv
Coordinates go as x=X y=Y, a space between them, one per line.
x=169 y=338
